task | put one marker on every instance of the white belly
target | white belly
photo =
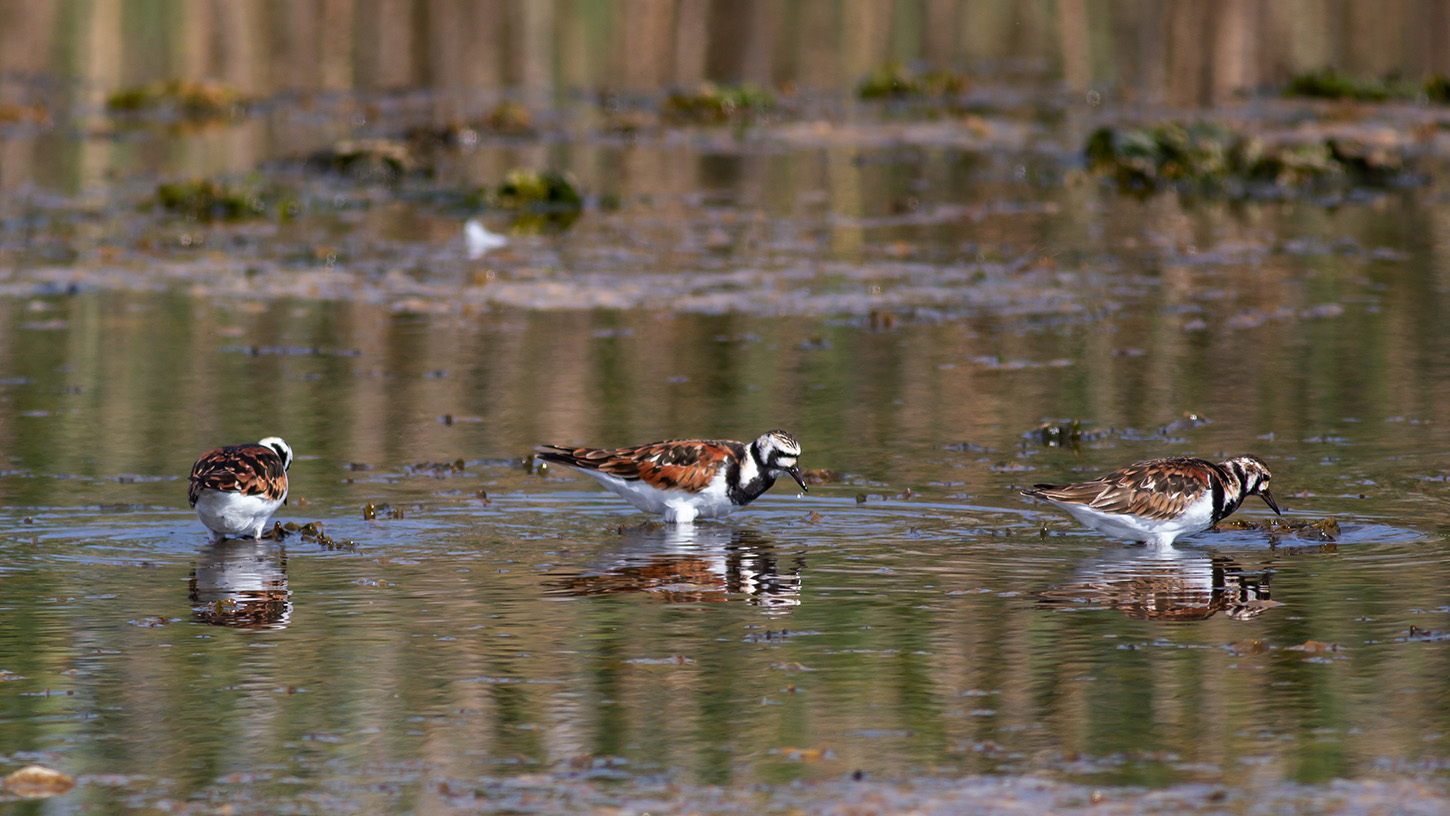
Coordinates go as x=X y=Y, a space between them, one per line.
x=229 y=515
x=675 y=505
x=1154 y=531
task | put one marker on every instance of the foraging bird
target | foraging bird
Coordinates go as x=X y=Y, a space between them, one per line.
x=685 y=479
x=1159 y=500
x=237 y=488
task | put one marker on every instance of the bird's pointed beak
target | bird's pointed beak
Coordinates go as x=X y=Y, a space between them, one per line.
x=1269 y=500
x=795 y=473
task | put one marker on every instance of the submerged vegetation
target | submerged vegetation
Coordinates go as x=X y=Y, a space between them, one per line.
x=1206 y=155
x=538 y=200
x=718 y=104
x=1322 y=529
x=507 y=118
x=191 y=99
x=1060 y=434
x=367 y=160
x=895 y=81
x=209 y=200
x=541 y=201
x=1331 y=84
x=531 y=190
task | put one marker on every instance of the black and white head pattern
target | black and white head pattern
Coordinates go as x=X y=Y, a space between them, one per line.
x=778 y=452
x=284 y=451
x=1253 y=479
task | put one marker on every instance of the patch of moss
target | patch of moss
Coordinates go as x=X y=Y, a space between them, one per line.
x=541 y=201
x=628 y=122
x=509 y=117
x=717 y=104
x=895 y=81
x=532 y=190
x=1328 y=83
x=367 y=159
x=191 y=99
x=208 y=200
x=1290 y=164
x=1437 y=89
x=1207 y=155
x=1148 y=157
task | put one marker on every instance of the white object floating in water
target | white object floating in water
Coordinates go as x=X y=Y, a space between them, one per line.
x=479 y=240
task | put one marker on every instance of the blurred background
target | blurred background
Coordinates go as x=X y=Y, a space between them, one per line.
x=1183 y=54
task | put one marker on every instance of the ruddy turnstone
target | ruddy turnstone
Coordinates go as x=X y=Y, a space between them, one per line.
x=237 y=488
x=685 y=479
x=1158 y=500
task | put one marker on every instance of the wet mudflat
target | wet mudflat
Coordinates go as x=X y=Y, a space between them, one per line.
x=943 y=302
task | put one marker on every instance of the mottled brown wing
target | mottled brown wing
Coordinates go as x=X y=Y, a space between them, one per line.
x=1157 y=489
x=681 y=464
x=250 y=470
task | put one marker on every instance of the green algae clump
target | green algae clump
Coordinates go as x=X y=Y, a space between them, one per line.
x=1207 y=157
x=208 y=200
x=895 y=81
x=532 y=190
x=718 y=104
x=1328 y=83
x=191 y=99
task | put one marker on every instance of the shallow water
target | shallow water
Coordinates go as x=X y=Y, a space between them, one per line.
x=914 y=293
x=545 y=627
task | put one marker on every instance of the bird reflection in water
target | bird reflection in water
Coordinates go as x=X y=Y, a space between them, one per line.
x=242 y=583
x=691 y=564
x=1169 y=586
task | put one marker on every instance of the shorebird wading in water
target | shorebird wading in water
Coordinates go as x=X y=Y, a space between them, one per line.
x=1160 y=500
x=686 y=479
x=235 y=489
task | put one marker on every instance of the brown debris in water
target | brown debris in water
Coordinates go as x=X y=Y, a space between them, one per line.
x=381 y=160
x=1325 y=529
x=510 y=117
x=1252 y=646
x=373 y=511
x=38 y=782
x=507 y=118
x=437 y=470
x=803 y=754
x=189 y=98
x=821 y=476
x=24 y=115
x=1068 y=435
x=1315 y=647
x=311 y=531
